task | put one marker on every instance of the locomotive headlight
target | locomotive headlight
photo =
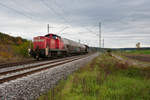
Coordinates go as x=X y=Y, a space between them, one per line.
x=46 y=51
x=29 y=50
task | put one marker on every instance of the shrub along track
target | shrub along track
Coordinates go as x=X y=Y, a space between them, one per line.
x=21 y=72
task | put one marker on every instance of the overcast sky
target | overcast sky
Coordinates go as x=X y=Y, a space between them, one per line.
x=124 y=22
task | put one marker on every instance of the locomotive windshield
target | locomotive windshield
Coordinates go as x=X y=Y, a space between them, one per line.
x=47 y=36
x=54 y=36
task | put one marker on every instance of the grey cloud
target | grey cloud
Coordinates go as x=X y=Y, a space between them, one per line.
x=118 y=17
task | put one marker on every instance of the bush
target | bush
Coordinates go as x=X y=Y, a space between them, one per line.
x=22 y=49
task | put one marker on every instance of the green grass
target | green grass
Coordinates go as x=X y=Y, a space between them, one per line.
x=138 y=51
x=105 y=78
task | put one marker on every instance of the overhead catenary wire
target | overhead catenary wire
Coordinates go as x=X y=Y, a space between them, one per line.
x=25 y=8
x=60 y=7
x=52 y=10
x=28 y=15
x=50 y=7
x=18 y=12
x=62 y=29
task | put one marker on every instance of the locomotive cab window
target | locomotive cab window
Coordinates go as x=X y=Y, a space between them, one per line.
x=54 y=36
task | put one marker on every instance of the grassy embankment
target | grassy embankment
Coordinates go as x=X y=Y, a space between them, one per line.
x=105 y=78
x=12 y=48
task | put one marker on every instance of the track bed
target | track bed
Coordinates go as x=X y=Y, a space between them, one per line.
x=8 y=73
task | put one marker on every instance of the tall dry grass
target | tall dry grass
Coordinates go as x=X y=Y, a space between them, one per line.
x=105 y=78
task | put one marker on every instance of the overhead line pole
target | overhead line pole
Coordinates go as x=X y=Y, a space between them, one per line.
x=99 y=34
x=48 y=28
x=103 y=42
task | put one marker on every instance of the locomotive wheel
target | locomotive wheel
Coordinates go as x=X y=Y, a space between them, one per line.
x=37 y=57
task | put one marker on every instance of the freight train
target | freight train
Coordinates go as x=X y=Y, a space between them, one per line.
x=52 y=45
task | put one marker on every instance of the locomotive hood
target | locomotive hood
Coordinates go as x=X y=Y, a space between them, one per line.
x=39 y=42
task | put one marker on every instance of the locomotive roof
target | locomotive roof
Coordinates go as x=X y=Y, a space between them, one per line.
x=52 y=34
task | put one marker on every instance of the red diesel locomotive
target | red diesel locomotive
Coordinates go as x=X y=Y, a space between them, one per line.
x=52 y=45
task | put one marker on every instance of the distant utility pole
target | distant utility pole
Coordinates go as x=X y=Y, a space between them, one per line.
x=48 y=27
x=103 y=42
x=100 y=34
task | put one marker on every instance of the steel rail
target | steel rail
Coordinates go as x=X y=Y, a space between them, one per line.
x=6 y=65
x=34 y=66
x=7 y=79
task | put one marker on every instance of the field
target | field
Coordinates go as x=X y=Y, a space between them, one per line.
x=105 y=78
x=140 y=55
x=138 y=51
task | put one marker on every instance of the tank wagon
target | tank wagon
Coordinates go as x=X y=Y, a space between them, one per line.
x=52 y=45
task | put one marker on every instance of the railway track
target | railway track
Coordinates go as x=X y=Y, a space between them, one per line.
x=19 y=72
x=4 y=65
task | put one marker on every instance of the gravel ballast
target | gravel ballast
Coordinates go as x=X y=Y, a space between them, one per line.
x=32 y=86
